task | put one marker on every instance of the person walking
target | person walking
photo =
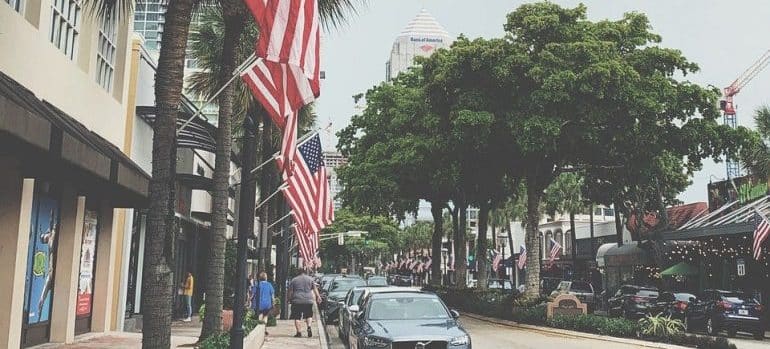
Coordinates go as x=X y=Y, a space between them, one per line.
x=262 y=301
x=302 y=294
x=187 y=293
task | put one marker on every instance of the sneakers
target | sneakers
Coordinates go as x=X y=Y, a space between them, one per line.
x=187 y=319
x=309 y=332
x=298 y=335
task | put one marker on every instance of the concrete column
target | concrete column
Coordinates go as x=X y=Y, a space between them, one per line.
x=123 y=284
x=16 y=195
x=105 y=261
x=67 y=267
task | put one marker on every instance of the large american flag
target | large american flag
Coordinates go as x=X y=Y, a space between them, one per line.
x=761 y=231
x=496 y=261
x=555 y=250
x=285 y=76
x=307 y=190
x=522 y=257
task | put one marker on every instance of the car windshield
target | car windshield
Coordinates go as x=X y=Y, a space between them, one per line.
x=737 y=297
x=339 y=285
x=646 y=292
x=356 y=296
x=377 y=282
x=683 y=297
x=581 y=287
x=407 y=307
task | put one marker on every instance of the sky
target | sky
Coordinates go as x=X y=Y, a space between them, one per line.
x=723 y=37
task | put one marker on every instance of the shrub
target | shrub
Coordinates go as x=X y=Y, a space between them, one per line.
x=216 y=341
x=202 y=311
x=271 y=321
x=596 y=324
x=702 y=342
x=533 y=315
x=659 y=326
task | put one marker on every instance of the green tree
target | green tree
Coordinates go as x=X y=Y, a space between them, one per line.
x=383 y=237
x=756 y=156
x=565 y=195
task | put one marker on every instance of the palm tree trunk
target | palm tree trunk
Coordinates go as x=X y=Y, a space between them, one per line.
x=266 y=180
x=573 y=240
x=158 y=276
x=482 y=263
x=533 y=241
x=220 y=198
x=438 y=233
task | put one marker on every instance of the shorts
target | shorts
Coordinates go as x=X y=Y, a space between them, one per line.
x=301 y=311
x=265 y=312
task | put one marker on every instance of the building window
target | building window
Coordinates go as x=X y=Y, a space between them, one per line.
x=16 y=5
x=598 y=211
x=105 y=56
x=609 y=212
x=65 y=20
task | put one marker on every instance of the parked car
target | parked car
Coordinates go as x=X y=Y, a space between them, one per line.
x=583 y=290
x=500 y=284
x=374 y=281
x=730 y=311
x=339 y=287
x=631 y=301
x=671 y=304
x=323 y=281
x=354 y=297
x=402 y=280
x=548 y=284
x=406 y=320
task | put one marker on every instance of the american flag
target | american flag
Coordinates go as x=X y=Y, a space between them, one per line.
x=413 y=265
x=555 y=250
x=761 y=231
x=304 y=244
x=522 y=257
x=428 y=263
x=286 y=75
x=307 y=190
x=496 y=261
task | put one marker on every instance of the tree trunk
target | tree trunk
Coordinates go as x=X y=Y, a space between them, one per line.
x=158 y=276
x=619 y=225
x=266 y=181
x=533 y=241
x=220 y=197
x=591 y=230
x=512 y=249
x=461 y=249
x=436 y=210
x=573 y=241
x=482 y=262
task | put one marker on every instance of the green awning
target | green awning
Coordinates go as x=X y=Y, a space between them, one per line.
x=680 y=269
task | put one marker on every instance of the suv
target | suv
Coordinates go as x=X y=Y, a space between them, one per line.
x=583 y=290
x=726 y=310
x=633 y=301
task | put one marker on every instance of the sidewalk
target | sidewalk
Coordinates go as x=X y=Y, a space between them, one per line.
x=282 y=335
x=183 y=335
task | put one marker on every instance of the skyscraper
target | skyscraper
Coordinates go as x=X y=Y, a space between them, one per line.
x=420 y=38
x=334 y=160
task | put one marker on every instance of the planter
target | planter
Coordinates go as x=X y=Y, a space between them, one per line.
x=227 y=320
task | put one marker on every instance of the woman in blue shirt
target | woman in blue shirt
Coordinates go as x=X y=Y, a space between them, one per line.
x=262 y=299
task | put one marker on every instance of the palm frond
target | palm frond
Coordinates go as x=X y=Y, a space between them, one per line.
x=337 y=12
x=121 y=9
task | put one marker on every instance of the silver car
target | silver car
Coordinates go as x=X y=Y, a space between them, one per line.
x=354 y=297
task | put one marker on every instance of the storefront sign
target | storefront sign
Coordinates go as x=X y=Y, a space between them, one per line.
x=565 y=304
x=42 y=252
x=741 y=267
x=87 y=254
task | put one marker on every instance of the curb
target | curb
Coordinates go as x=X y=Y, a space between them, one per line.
x=321 y=328
x=551 y=330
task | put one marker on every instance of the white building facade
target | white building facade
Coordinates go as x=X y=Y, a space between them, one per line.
x=420 y=38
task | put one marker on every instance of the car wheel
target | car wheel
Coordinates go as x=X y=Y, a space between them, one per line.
x=710 y=328
x=759 y=335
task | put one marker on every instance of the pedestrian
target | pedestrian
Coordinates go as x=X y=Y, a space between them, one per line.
x=262 y=302
x=302 y=294
x=187 y=293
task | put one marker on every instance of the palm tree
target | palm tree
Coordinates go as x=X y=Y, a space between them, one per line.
x=566 y=196
x=756 y=159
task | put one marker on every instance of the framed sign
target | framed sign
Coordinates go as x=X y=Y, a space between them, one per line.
x=87 y=256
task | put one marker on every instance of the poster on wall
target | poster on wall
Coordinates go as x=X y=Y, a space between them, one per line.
x=87 y=254
x=42 y=255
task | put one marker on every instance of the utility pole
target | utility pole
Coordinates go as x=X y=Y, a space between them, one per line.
x=245 y=229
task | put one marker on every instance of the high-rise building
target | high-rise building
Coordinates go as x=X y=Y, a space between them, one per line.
x=333 y=161
x=149 y=16
x=420 y=38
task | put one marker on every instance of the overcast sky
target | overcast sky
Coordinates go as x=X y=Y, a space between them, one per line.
x=723 y=37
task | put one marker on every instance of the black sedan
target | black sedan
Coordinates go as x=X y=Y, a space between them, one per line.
x=632 y=301
x=674 y=305
x=406 y=320
x=402 y=280
x=721 y=310
x=338 y=289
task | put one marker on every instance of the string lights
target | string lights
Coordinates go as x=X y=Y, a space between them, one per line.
x=714 y=251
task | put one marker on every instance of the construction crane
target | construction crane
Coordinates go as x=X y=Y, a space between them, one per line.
x=728 y=106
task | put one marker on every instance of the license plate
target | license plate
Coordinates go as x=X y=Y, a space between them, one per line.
x=743 y=312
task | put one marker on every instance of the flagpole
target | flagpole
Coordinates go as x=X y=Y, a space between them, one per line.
x=300 y=141
x=235 y=74
x=279 y=220
x=282 y=187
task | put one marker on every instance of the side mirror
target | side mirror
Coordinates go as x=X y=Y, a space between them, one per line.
x=354 y=308
x=454 y=313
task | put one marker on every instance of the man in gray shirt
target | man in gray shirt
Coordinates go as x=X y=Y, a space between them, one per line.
x=302 y=294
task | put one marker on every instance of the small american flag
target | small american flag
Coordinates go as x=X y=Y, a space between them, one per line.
x=761 y=231
x=555 y=250
x=428 y=263
x=496 y=261
x=522 y=257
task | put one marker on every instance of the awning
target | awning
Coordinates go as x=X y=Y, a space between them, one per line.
x=681 y=268
x=721 y=222
x=628 y=254
x=50 y=144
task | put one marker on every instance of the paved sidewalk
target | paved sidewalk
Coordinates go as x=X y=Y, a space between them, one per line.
x=282 y=336
x=183 y=335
